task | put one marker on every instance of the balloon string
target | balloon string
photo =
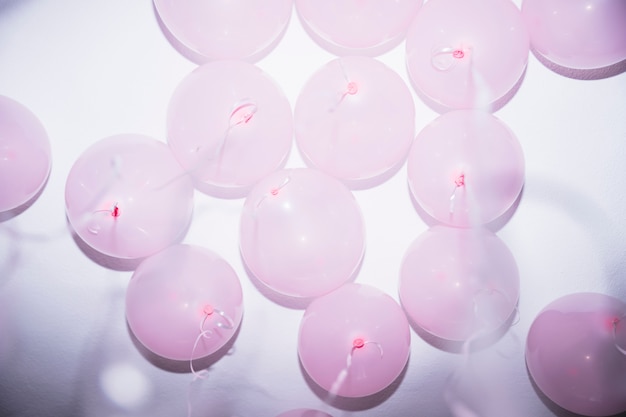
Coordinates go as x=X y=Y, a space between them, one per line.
x=459 y=182
x=446 y=58
x=351 y=88
x=616 y=322
x=343 y=374
x=273 y=191
x=227 y=324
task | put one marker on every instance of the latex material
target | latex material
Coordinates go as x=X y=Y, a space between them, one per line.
x=573 y=353
x=577 y=34
x=25 y=157
x=217 y=30
x=361 y=27
x=466 y=168
x=229 y=125
x=467 y=53
x=302 y=232
x=127 y=197
x=304 y=412
x=354 y=341
x=179 y=293
x=459 y=284
x=355 y=119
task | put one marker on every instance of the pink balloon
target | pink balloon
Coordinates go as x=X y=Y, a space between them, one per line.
x=577 y=34
x=184 y=303
x=355 y=119
x=467 y=53
x=229 y=125
x=360 y=27
x=302 y=233
x=24 y=155
x=354 y=341
x=304 y=412
x=458 y=284
x=466 y=168
x=576 y=353
x=235 y=29
x=127 y=197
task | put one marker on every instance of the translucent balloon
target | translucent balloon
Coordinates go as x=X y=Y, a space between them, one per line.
x=355 y=119
x=127 y=197
x=302 y=233
x=304 y=412
x=576 y=353
x=577 y=34
x=216 y=30
x=25 y=159
x=459 y=284
x=354 y=341
x=467 y=53
x=466 y=168
x=229 y=125
x=184 y=303
x=359 y=27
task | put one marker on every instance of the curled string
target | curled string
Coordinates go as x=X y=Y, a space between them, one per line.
x=344 y=372
x=351 y=88
x=274 y=191
x=616 y=321
x=446 y=58
x=227 y=324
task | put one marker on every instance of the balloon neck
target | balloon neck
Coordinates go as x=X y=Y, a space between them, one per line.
x=115 y=211
x=358 y=343
x=446 y=58
x=460 y=180
x=208 y=309
x=242 y=113
x=352 y=88
x=458 y=54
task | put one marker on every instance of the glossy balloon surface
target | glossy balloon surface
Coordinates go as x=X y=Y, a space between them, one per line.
x=302 y=232
x=184 y=302
x=354 y=341
x=576 y=353
x=304 y=412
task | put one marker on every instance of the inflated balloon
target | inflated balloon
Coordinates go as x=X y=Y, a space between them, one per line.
x=127 y=197
x=576 y=353
x=467 y=53
x=216 y=30
x=24 y=155
x=354 y=341
x=459 y=284
x=466 y=168
x=302 y=232
x=360 y=27
x=577 y=34
x=184 y=303
x=304 y=412
x=229 y=125
x=355 y=119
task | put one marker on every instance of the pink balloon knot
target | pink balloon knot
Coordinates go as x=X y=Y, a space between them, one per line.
x=208 y=309
x=358 y=343
x=458 y=54
x=115 y=212
x=353 y=88
x=460 y=180
x=274 y=191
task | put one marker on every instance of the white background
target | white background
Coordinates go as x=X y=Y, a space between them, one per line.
x=91 y=69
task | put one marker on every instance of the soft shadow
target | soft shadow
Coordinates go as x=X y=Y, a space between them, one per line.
x=582 y=74
x=554 y=408
x=358 y=403
x=9 y=214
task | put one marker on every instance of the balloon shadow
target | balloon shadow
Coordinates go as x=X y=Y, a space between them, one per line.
x=16 y=211
x=582 y=74
x=183 y=367
x=356 y=403
x=200 y=59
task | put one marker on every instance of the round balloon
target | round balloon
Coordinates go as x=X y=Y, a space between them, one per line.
x=577 y=34
x=184 y=302
x=467 y=53
x=217 y=30
x=229 y=125
x=359 y=27
x=466 y=168
x=301 y=233
x=459 y=284
x=576 y=353
x=355 y=119
x=127 y=197
x=304 y=412
x=25 y=159
x=354 y=341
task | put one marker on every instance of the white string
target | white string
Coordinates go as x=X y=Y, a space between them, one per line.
x=446 y=58
x=344 y=372
x=616 y=321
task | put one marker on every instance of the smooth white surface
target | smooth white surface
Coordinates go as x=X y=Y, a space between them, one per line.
x=92 y=69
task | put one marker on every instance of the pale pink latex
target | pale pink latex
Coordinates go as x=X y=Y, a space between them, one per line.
x=25 y=159
x=459 y=284
x=229 y=125
x=127 y=197
x=576 y=353
x=354 y=341
x=466 y=168
x=467 y=53
x=304 y=412
x=184 y=303
x=235 y=29
x=302 y=232
x=360 y=27
x=355 y=119
x=577 y=34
